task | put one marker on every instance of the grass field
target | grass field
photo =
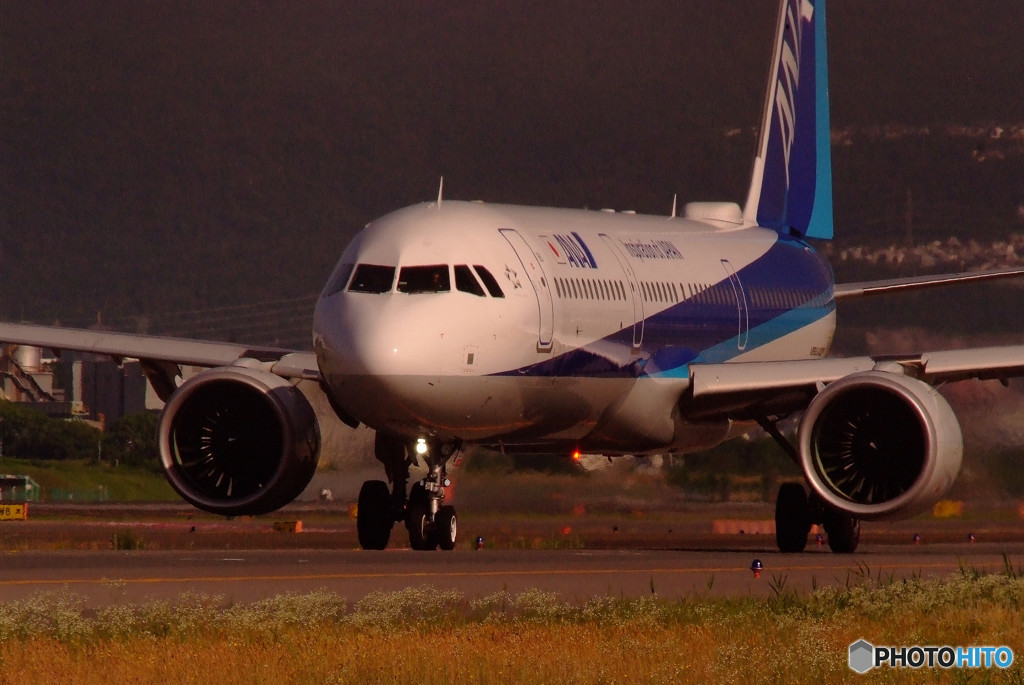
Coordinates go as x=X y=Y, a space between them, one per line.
x=88 y=482
x=424 y=635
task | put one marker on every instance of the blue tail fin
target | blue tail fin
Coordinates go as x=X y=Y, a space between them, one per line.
x=791 y=188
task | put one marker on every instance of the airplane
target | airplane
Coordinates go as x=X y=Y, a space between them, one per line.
x=546 y=330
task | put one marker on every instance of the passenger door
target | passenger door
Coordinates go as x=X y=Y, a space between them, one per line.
x=532 y=265
x=743 y=315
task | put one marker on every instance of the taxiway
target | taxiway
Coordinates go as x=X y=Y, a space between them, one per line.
x=105 y=577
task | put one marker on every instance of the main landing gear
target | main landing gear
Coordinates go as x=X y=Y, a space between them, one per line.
x=430 y=522
x=795 y=511
x=794 y=514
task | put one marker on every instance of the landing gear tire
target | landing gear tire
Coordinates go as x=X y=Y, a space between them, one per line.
x=374 y=517
x=420 y=531
x=792 y=518
x=843 y=532
x=446 y=527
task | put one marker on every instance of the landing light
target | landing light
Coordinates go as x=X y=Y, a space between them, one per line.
x=421 y=446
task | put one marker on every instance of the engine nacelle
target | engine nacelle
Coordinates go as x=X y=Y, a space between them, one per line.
x=880 y=445
x=238 y=441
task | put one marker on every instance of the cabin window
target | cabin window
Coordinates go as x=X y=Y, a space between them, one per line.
x=424 y=279
x=372 y=278
x=490 y=282
x=466 y=282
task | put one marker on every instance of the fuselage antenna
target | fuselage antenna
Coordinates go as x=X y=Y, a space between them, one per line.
x=440 y=192
x=675 y=198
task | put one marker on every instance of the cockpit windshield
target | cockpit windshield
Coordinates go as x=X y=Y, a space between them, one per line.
x=433 y=278
x=492 y=284
x=466 y=282
x=339 y=279
x=372 y=278
x=424 y=279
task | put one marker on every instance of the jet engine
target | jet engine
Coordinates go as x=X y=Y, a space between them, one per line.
x=880 y=445
x=238 y=440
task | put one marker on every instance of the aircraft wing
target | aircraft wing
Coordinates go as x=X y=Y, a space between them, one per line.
x=162 y=357
x=746 y=390
x=846 y=291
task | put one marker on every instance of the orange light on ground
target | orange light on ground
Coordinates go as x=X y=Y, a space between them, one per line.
x=576 y=455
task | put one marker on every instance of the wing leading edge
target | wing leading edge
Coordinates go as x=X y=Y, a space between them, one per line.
x=749 y=389
x=849 y=291
x=162 y=357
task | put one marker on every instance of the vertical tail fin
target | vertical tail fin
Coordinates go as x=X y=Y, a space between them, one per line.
x=791 y=187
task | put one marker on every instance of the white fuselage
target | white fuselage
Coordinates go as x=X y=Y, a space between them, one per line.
x=545 y=329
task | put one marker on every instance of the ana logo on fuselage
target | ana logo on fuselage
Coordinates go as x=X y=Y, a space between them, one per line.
x=572 y=250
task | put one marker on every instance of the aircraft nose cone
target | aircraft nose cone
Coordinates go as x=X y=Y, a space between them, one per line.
x=355 y=338
x=380 y=356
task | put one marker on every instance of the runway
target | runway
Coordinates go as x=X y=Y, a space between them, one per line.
x=104 y=577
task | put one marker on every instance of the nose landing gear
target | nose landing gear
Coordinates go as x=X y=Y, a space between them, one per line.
x=430 y=522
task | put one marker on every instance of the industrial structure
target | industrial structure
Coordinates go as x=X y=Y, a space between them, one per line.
x=75 y=385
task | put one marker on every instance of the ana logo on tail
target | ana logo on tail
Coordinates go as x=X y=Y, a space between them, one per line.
x=788 y=77
x=791 y=187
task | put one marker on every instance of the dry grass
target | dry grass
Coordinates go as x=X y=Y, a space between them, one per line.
x=424 y=635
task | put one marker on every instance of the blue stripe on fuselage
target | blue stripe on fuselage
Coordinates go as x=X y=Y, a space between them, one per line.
x=706 y=328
